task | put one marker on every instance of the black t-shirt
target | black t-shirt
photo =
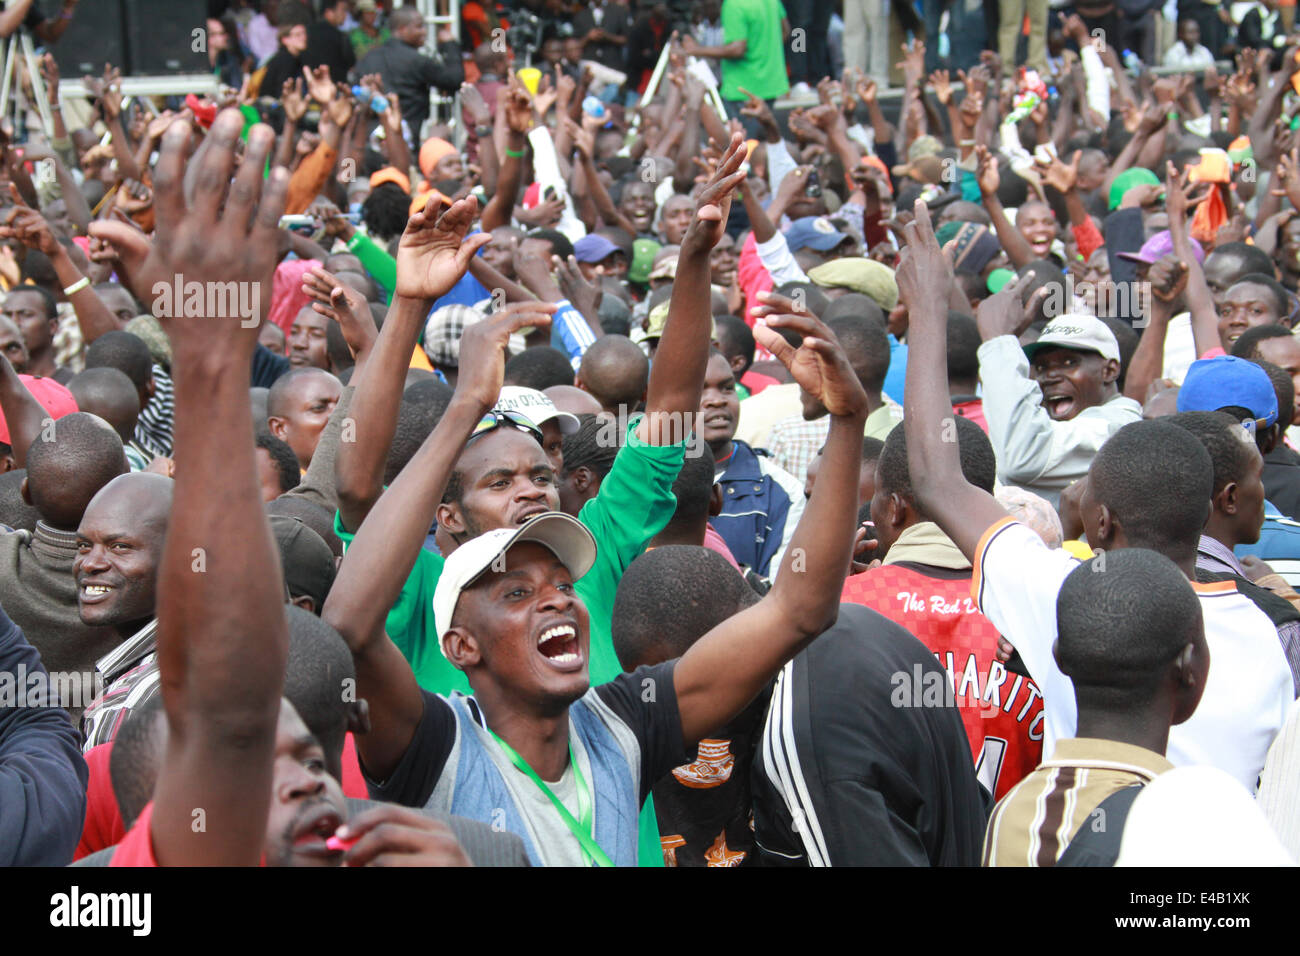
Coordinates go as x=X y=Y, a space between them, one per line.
x=704 y=808
x=645 y=701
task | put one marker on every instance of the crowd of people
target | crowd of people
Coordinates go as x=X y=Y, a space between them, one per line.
x=634 y=470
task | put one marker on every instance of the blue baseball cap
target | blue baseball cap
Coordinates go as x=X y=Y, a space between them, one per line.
x=816 y=232
x=593 y=248
x=1224 y=381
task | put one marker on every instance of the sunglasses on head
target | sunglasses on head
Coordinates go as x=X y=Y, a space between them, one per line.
x=505 y=419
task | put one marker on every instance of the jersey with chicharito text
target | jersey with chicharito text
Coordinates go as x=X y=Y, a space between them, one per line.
x=1002 y=712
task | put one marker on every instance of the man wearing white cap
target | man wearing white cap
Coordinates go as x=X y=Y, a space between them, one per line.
x=541 y=411
x=1051 y=404
x=538 y=750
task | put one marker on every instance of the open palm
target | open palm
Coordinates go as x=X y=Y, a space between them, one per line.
x=433 y=253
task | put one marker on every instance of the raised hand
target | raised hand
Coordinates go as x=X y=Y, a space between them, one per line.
x=319 y=85
x=1154 y=116
x=866 y=90
x=1286 y=179
x=158 y=125
x=28 y=226
x=584 y=140
x=1008 y=312
x=986 y=171
x=349 y=308
x=111 y=98
x=714 y=203
x=391 y=118
x=132 y=197
x=819 y=364
x=291 y=98
x=1181 y=195
x=340 y=108
x=434 y=252
x=50 y=75
x=942 y=86
x=823 y=116
x=225 y=236
x=924 y=274
x=1168 y=278
x=483 y=349
x=913 y=62
x=518 y=106
x=1075 y=29
x=475 y=106
x=1058 y=175
x=759 y=111
x=121 y=242
x=584 y=295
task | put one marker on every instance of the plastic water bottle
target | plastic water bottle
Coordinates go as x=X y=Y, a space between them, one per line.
x=376 y=101
x=1132 y=62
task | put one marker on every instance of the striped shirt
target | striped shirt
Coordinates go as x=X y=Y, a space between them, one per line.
x=130 y=673
x=153 y=430
x=1034 y=823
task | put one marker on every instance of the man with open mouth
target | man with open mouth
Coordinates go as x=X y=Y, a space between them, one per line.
x=538 y=750
x=1051 y=404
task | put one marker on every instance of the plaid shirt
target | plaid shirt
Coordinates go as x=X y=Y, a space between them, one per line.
x=794 y=442
x=69 y=348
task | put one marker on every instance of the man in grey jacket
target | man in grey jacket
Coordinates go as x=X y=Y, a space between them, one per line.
x=1052 y=404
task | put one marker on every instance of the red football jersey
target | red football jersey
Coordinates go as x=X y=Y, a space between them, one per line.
x=1002 y=712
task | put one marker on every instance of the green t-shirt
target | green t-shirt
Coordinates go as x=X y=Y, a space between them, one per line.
x=762 y=69
x=634 y=504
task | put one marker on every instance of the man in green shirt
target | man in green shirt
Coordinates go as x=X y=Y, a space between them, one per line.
x=753 y=50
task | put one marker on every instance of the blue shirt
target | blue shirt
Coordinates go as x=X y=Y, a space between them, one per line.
x=897 y=370
x=1279 y=538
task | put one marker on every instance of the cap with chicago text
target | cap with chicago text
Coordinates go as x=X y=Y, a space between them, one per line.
x=1083 y=333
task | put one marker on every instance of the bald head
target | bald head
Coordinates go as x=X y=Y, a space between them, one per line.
x=119 y=550
x=570 y=398
x=143 y=499
x=615 y=371
x=108 y=393
x=299 y=406
x=68 y=464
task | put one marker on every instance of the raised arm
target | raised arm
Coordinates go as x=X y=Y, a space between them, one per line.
x=518 y=117
x=11 y=18
x=22 y=413
x=385 y=549
x=222 y=634
x=963 y=511
x=30 y=227
x=432 y=255
x=725 y=669
x=1167 y=279
x=677 y=374
x=1012 y=239
x=1200 y=302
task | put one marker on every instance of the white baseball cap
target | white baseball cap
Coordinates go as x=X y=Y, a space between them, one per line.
x=536 y=407
x=565 y=536
x=1083 y=333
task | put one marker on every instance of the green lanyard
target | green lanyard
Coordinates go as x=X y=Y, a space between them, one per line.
x=590 y=848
